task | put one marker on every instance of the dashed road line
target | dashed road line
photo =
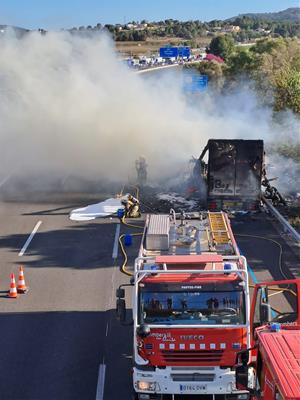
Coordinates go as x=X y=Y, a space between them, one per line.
x=116 y=242
x=35 y=229
x=101 y=381
x=112 y=296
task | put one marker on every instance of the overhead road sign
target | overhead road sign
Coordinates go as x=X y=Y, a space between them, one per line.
x=195 y=83
x=184 y=52
x=168 y=52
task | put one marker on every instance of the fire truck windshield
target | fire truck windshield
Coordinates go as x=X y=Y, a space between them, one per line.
x=208 y=304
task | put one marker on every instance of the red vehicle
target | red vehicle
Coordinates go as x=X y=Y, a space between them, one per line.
x=273 y=372
x=190 y=308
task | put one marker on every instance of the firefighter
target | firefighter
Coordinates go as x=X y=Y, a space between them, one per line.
x=132 y=207
x=141 y=169
x=271 y=192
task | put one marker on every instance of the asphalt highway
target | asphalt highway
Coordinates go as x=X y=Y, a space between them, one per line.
x=61 y=341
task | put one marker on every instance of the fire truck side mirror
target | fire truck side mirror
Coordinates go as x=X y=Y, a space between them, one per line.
x=241 y=370
x=241 y=376
x=120 y=293
x=121 y=310
x=265 y=313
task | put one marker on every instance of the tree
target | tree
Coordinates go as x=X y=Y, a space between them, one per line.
x=241 y=62
x=287 y=90
x=278 y=72
x=221 y=46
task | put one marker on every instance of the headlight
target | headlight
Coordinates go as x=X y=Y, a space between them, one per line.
x=147 y=386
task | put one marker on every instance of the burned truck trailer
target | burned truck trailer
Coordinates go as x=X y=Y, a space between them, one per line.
x=233 y=173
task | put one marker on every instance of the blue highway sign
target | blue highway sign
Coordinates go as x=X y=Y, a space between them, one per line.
x=184 y=52
x=195 y=83
x=168 y=52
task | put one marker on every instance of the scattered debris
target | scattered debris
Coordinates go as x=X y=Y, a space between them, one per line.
x=178 y=201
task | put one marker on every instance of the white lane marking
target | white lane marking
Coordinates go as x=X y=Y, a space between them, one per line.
x=112 y=296
x=35 y=229
x=106 y=332
x=101 y=382
x=116 y=242
x=4 y=180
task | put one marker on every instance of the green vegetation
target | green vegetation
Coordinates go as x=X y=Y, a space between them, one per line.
x=243 y=28
x=288 y=150
x=221 y=46
x=272 y=64
x=290 y=14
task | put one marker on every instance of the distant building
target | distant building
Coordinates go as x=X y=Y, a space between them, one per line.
x=262 y=30
x=231 y=28
x=131 y=26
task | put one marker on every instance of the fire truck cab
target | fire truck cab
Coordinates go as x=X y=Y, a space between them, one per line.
x=190 y=307
x=270 y=370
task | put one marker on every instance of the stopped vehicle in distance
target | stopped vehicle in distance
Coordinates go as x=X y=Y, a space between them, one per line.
x=270 y=369
x=232 y=175
x=190 y=307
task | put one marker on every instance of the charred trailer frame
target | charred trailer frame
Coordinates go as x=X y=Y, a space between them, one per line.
x=234 y=173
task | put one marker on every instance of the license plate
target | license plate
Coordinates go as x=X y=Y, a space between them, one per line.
x=192 y=388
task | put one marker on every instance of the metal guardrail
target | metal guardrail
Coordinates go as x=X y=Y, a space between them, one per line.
x=155 y=68
x=286 y=225
x=148 y=68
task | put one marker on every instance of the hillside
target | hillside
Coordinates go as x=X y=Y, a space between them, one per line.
x=290 y=15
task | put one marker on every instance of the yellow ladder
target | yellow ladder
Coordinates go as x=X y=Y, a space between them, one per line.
x=218 y=228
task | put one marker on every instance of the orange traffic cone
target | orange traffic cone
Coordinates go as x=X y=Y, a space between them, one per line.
x=12 y=290
x=21 y=282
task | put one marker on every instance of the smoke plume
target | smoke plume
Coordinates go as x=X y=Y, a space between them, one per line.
x=68 y=105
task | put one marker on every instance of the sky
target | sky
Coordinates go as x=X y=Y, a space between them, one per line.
x=57 y=14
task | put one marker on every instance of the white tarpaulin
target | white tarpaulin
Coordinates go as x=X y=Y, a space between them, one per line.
x=98 y=210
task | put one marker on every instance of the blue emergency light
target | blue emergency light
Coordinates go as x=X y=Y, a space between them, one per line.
x=275 y=327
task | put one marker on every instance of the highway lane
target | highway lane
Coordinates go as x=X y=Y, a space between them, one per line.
x=61 y=340
x=261 y=240
x=54 y=338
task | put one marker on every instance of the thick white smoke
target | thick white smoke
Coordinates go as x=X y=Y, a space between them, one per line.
x=69 y=105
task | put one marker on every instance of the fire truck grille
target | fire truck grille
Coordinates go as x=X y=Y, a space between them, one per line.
x=195 y=377
x=192 y=356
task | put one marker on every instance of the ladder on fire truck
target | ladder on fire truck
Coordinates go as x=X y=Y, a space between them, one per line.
x=218 y=228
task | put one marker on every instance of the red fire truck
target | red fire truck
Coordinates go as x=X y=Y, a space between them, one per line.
x=270 y=370
x=190 y=307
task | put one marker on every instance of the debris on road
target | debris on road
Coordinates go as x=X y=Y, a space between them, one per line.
x=98 y=210
x=179 y=201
